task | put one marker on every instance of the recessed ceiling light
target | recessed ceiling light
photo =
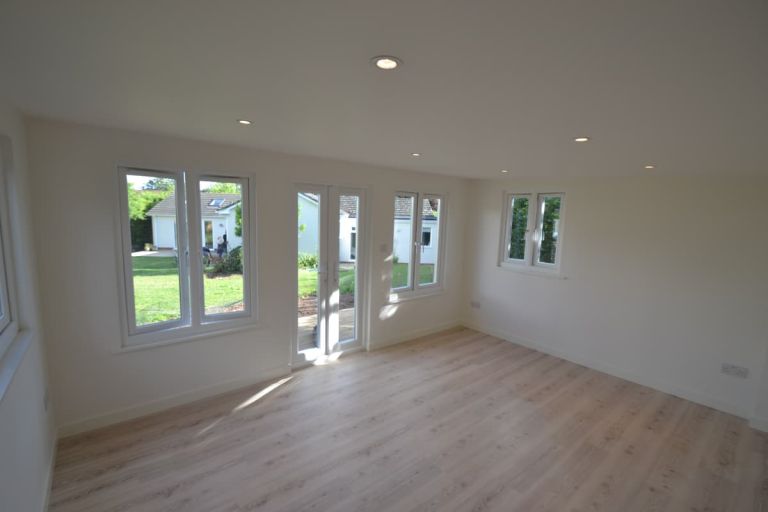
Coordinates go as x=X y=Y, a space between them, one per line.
x=504 y=171
x=649 y=166
x=244 y=121
x=417 y=155
x=581 y=139
x=386 y=62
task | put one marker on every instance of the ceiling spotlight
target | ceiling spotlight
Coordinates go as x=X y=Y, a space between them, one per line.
x=386 y=62
x=581 y=139
x=417 y=155
x=244 y=121
x=649 y=166
x=504 y=171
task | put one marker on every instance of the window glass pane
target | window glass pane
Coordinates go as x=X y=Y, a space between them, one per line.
x=430 y=233
x=349 y=206
x=402 y=243
x=549 y=228
x=223 y=236
x=518 y=225
x=154 y=256
x=308 y=230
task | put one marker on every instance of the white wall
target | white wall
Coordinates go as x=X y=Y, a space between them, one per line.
x=309 y=241
x=74 y=171
x=666 y=280
x=164 y=232
x=26 y=431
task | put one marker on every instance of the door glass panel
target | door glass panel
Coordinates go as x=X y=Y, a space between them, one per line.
x=402 y=241
x=221 y=215
x=154 y=249
x=308 y=260
x=549 y=228
x=348 y=229
x=430 y=236
x=518 y=212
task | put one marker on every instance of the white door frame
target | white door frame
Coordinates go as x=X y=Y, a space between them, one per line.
x=328 y=275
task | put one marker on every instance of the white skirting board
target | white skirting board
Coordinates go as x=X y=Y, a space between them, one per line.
x=161 y=404
x=693 y=396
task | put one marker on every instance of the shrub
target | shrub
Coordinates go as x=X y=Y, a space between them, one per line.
x=231 y=263
x=307 y=260
x=347 y=284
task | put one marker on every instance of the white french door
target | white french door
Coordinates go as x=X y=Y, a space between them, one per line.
x=330 y=277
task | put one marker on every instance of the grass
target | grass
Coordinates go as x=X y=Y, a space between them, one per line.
x=308 y=278
x=156 y=290
x=156 y=287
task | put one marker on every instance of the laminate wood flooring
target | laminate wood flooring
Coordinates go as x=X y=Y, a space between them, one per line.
x=457 y=421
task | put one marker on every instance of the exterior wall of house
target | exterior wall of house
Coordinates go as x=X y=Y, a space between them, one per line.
x=308 y=217
x=347 y=226
x=401 y=246
x=230 y=227
x=222 y=225
x=164 y=232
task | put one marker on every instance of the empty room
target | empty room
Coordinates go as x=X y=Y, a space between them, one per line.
x=369 y=256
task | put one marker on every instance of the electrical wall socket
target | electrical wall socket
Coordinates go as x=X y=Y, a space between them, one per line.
x=475 y=304
x=735 y=370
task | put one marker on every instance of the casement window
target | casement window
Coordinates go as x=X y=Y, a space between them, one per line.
x=532 y=231
x=186 y=251
x=417 y=253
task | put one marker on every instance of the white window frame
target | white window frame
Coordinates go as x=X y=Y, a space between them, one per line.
x=533 y=235
x=9 y=326
x=200 y=316
x=193 y=323
x=413 y=288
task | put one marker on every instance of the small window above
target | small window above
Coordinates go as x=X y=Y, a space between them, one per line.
x=216 y=203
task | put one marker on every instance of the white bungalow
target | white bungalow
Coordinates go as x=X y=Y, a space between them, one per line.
x=218 y=216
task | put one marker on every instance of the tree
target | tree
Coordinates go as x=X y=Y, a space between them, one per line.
x=166 y=184
x=549 y=229
x=518 y=228
x=224 y=188
x=141 y=201
x=239 y=220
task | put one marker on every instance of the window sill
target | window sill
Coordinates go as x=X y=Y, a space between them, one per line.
x=532 y=271
x=184 y=338
x=405 y=296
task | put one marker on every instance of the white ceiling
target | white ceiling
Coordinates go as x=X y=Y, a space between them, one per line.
x=485 y=85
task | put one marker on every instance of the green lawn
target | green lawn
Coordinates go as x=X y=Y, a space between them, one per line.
x=308 y=278
x=156 y=290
